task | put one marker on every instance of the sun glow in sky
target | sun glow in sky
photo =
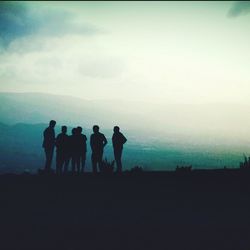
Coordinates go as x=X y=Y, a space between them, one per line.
x=170 y=52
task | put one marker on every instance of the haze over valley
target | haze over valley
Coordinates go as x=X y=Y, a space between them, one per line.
x=159 y=138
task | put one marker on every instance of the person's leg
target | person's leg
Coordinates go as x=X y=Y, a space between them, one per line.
x=46 y=159
x=99 y=160
x=94 y=163
x=61 y=163
x=66 y=164
x=78 y=160
x=50 y=157
x=118 y=159
x=83 y=160
x=58 y=162
x=73 y=163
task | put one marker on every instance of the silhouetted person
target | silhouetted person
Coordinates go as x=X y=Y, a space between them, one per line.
x=49 y=144
x=75 y=152
x=70 y=150
x=62 y=151
x=118 y=139
x=83 y=148
x=97 y=143
x=71 y=146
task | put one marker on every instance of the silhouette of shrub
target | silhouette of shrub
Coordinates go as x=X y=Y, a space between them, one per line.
x=136 y=169
x=246 y=163
x=107 y=167
x=184 y=169
x=43 y=172
x=26 y=172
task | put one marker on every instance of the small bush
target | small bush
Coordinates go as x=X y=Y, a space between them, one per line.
x=136 y=169
x=184 y=169
x=44 y=172
x=107 y=167
x=246 y=163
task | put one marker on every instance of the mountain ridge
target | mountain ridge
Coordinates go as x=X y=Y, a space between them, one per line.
x=195 y=119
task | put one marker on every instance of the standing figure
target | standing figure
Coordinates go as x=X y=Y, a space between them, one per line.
x=118 y=139
x=74 y=150
x=49 y=144
x=62 y=155
x=83 y=148
x=97 y=142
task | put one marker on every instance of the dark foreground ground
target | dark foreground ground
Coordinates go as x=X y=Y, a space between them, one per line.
x=203 y=210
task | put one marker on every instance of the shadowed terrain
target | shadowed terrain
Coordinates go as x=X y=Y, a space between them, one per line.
x=149 y=210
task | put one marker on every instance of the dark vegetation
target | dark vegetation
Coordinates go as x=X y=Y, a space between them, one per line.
x=198 y=210
x=184 y=168
x=107 y=167
x=246 y=163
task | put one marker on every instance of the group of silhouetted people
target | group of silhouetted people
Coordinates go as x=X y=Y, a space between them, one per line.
x=73 y=148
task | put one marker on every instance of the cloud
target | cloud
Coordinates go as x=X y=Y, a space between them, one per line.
x=20 y=19
x=239 y=8
x=14 y=21
x=103 y=66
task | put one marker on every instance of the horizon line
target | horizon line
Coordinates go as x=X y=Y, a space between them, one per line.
x=123 y=100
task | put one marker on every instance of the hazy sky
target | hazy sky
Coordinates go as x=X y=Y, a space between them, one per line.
x=189 y=52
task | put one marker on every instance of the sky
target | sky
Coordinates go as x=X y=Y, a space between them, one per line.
x=161 y=52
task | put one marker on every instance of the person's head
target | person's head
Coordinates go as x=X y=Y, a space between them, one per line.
x=116 y=129
x=79 y=130
x=52 y=123
x=64 y=129
x=73 y=131
x=95 y=128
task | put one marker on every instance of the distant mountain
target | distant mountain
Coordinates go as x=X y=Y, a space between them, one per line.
x=40 y=108
x=160 y=136
x=191 y=120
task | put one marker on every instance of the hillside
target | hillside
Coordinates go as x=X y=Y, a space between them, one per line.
x=220 y=121
x=199 y=210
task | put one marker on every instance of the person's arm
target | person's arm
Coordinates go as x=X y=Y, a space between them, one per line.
x=124 y=139
x=104 y=141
